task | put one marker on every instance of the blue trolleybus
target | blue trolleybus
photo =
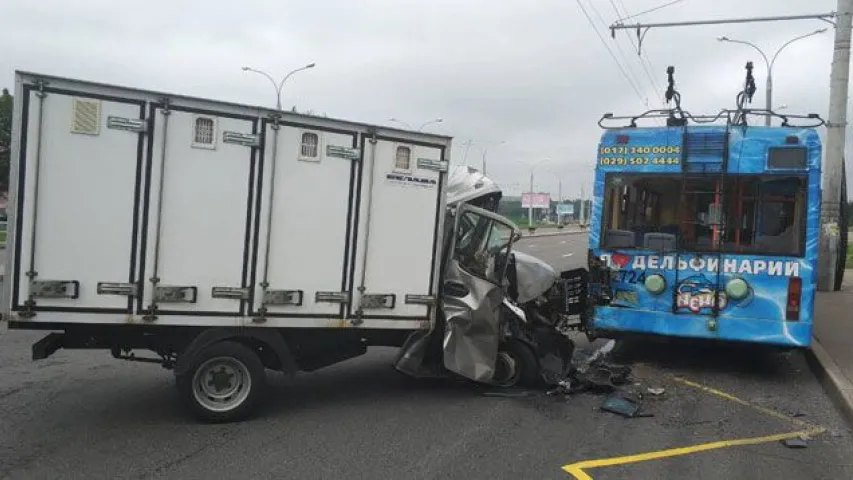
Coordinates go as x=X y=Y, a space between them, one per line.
x=706 y=226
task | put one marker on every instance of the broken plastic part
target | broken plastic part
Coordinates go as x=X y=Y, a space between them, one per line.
x=796 y=442
x=621 y=405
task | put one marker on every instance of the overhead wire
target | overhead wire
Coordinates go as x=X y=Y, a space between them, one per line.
x=645 y=62
x=654 y=9
x=610 y=51
x=621 y=53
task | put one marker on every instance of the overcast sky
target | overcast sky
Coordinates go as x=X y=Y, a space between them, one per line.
x=531 y=73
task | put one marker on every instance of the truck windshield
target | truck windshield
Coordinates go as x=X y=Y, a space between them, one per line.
x=481 y=243
x=756 y=214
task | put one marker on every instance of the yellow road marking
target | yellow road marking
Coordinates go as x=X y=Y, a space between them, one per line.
x=577 y=470
x=727 y=396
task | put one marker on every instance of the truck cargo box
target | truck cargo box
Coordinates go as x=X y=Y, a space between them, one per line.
x=135 y=207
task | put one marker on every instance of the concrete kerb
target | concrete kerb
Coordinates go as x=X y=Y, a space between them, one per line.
x=839 y=388
x=553 y=234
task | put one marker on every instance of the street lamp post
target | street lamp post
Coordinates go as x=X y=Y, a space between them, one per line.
x=278 y=86
x=559 y=191
x=485 y=150
x=770 y=63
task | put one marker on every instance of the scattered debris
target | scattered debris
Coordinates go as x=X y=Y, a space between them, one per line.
x=623 y=405
x=620 y=405
x=796 y=442
x=656 y=391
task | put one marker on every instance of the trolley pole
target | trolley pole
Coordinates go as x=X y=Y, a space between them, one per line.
x=837 y=122
x=834 y=158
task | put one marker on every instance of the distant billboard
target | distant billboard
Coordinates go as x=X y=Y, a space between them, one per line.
x=536 y=200
x=566 y=209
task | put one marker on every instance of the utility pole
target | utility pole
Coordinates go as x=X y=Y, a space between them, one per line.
x=836 y=123
x=530 y=200
x=485 y=151
x=835 y=138
x=530 y=203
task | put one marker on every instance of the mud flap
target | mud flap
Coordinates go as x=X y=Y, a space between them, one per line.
x=48 y=345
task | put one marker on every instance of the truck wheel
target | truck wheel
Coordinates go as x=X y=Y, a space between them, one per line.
x=516 y=366
x=224 y=382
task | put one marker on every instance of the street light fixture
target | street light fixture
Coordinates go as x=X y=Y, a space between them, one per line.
x=437 y=120
x=770 y=63
x=278 y=86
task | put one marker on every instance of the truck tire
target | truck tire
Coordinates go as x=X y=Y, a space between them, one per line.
x=516 y=366
x=224 y=382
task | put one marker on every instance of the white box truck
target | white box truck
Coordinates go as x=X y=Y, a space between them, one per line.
x=230 y=239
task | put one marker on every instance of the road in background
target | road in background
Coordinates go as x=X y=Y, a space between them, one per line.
x=82 y=414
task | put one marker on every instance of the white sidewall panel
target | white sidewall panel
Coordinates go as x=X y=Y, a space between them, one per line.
x=311 y=208
x=85 y=204
x=204 y=215
x=400 y=248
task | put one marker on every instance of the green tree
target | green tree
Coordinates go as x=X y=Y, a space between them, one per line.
x=5 y=138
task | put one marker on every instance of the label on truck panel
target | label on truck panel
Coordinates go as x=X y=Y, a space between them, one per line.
x=407 y=180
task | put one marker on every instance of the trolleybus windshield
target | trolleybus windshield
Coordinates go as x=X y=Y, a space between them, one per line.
x=754 y=214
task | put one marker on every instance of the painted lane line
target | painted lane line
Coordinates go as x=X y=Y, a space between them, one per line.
x=577 y=470
x=737 y=400
x=568 y=255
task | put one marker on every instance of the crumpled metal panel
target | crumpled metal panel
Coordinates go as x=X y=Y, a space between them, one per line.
x=472 y=333
x=535 y=277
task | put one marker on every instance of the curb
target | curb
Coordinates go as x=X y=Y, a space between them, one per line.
x=554 y=234
x=839 y=388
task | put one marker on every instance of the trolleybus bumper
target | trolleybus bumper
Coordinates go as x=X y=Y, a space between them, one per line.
x=739 y=329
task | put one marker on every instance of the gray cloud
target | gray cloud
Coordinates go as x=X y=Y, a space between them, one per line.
x=531 y=73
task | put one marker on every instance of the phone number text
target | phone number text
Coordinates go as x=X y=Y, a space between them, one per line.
x=608 y=161
x=656 y=150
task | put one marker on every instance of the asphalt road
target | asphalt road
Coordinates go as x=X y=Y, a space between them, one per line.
x=83 y=415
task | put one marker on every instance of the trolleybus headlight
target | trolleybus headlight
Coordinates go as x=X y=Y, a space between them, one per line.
x=655 y=284
x=737 y=289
